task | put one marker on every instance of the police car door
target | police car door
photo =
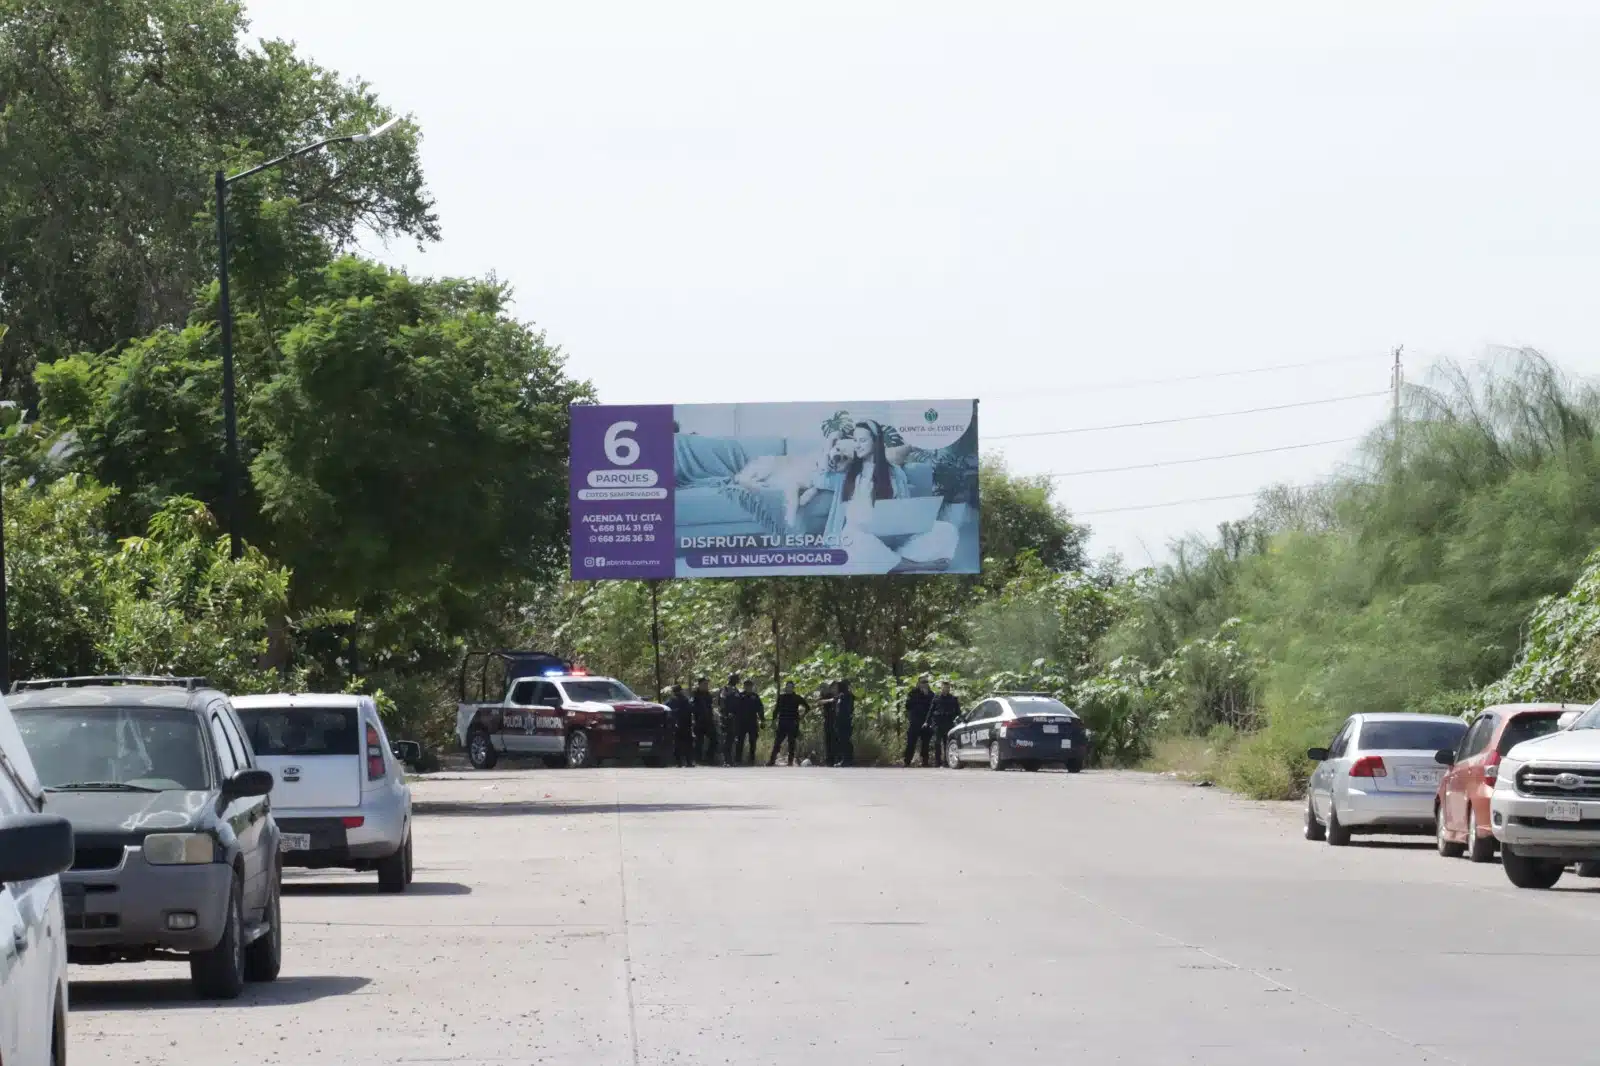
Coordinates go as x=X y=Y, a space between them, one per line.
x=518 y=718
x=975 y=731
x=549 y=725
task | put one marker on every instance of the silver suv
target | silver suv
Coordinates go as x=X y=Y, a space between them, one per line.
x=341 y=797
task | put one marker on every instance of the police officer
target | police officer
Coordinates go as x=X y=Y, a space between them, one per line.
x=786 y=712
x=682 y=726
x=727 y=716
x=946 y=709
x=830 y=730
x=919 y=706
x=750 y=714
x=705 y=722
x=844 y=720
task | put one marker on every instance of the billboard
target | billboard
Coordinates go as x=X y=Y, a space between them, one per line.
x=774 y=489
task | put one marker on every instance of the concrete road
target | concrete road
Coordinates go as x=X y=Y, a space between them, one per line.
x=878 y=916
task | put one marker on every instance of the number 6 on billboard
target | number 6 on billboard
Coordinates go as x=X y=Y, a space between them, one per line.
x=624 y=451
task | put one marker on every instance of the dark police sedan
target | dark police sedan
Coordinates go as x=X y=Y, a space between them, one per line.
x=176 y=848
x=1026 y=729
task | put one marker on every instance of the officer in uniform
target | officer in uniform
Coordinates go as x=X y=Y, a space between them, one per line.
x=786 y=712
x=844 y=722
x=705 y=722
x=748 y=716
x=728 y=716
x=682 y=726
x=946 y=709
x=830 y=730
x=919 y=706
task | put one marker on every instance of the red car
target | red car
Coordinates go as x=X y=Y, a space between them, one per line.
x=1461 y=808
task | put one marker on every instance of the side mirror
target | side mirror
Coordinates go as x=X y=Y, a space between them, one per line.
x=1445 y=756
x=34 y=845
x=1317 y=754
x=408 y=751
x=247 y=783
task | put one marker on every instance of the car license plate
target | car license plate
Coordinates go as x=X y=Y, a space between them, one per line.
x=1066 y=742
x=1052 y=729
x=295 y=842
x=1558 y=811
x=1426 y=777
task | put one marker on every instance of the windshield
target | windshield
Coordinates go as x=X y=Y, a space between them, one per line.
x=598 y=692
x=302 y=730
x=1411 y=735
x=134 y=748
x=1030 y=706
x=1526 y=727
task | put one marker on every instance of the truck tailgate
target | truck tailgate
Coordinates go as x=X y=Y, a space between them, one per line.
x=313 y=754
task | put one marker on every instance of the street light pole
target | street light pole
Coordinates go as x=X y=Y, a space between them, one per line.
x=230 y=417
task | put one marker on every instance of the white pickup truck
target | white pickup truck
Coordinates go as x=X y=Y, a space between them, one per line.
x=1545 y=808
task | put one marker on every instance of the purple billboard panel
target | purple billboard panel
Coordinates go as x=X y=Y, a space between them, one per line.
x=622 y=492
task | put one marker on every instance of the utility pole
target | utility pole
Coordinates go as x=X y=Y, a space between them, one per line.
x=1396 y=379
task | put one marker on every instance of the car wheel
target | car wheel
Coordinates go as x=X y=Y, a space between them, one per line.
x=1075 y=766
x=1336 y=834
x=579 y=754
x=1479 y=847
x=411 y=868
x=1447 y=847
x=1314 y=830
x=219 y=972
x=264 y=958
x=555 y=762
x=995 y=761
x=1031 y=767
x=952 y=755
x=651 y=762
x=392 y=870
x=480 y=750
x=1530 y=873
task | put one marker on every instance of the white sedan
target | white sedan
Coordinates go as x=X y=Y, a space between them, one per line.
x=1378 y=775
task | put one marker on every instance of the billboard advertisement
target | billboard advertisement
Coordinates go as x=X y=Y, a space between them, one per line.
x=774 y=489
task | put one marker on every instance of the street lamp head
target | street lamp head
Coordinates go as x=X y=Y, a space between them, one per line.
x=379 y=132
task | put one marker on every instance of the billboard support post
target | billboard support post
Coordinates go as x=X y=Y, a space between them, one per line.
x=655 y=629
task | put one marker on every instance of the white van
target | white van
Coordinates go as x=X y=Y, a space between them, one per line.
x=34 y=848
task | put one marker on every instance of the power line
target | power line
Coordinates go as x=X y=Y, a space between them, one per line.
x=1188 y=418
x=1108 y=386
x=1170 y=503
x=1201 y=458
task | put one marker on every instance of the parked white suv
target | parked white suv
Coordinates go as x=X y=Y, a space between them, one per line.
x=1545 y=808
x=341 y=797
x=34 y=848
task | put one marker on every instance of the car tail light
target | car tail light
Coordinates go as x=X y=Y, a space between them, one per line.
x=1491 y=766
x=375 y=766
x=354 y=821
x=1369 y=766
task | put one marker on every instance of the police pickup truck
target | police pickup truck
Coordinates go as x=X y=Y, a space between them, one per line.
x=554 y=711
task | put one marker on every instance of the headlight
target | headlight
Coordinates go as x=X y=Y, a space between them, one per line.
x=1506 y=776
x=179 y=849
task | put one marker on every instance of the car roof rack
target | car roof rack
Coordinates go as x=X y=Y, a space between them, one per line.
x=189 y=684
x=1017 y=692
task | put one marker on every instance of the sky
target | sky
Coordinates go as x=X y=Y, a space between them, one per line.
x=1056 y=208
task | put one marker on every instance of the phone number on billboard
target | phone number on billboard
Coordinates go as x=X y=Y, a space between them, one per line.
x=623 y=538
x=624 y=527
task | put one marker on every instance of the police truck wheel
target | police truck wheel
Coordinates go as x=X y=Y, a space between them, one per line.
x=995 y=761
x=1031 y=767
x=952 y=755
x=480 y=750
x=579 y=753
x=1075 y=766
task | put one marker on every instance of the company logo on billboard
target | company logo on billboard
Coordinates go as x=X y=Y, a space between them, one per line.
x=930 y=415
x=622 y=485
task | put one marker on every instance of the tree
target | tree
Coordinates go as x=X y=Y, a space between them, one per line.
x=1020 y=514
x=114 y=114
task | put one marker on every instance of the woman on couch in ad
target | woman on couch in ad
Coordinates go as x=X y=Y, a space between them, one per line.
x=868 y=478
